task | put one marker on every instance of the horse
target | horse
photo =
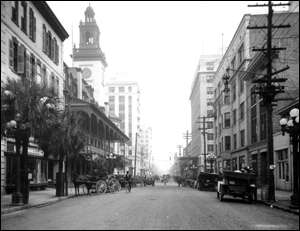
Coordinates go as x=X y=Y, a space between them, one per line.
x=77 y=181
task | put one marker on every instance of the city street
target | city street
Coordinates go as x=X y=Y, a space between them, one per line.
x=161 y=207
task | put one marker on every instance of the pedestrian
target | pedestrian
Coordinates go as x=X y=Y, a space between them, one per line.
x=128 y=179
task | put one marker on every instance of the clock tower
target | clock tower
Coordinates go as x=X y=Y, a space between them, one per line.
x=89 y=56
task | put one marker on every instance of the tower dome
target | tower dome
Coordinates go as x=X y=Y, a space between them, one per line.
x=89 y=14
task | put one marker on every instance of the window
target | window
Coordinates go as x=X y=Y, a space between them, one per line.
x=209 y=66
x=15 y=12
x=243 y=138
x=234 y=92
x=209 y=78
x=111 y=89
x=227 y=143
x=242 y=86
x=24 y=17
x=242 y=110
x=234 y=164
x=44 y=38
x=210 y=91
x=32 y=25
x=121 y=89
x=121 y=99
x=210 y=102
x=233 y=66
x=253 y=96
x=210 y=125
x=227 y=119
x=234 y=116
x=111 y=99
x=210 y=136
x=13 y=54
x=210 y=148
x=234 y=142
x=210 y=113
x=130 y=89
x=241 y=54
x=227 y=99
x=241 y=162
x=33 y=66
x=283 y=164
x=121 y=107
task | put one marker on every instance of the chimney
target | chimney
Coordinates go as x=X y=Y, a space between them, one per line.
x=106 y=109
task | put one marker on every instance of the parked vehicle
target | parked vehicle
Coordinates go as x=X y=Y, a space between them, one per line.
x=208 y=180
x=149 y=181
x=237 y=184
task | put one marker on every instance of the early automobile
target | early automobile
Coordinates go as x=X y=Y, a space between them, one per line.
x=149 y=181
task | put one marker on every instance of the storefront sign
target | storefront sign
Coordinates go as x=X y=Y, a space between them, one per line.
x=31 y=150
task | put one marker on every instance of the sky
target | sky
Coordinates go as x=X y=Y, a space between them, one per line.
x=159 y=44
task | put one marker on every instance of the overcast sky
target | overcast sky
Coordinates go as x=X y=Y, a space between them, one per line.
x=159 y=44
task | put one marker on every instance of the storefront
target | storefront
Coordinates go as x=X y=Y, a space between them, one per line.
x=37 y=166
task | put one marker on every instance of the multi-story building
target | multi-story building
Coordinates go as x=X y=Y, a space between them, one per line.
x=89 y=56
x=240 y=116
x=124 y=101
x=202 y=106
x=32 y=47
x=146 y=149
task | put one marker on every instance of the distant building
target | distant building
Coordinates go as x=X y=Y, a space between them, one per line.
x=201 y=99
x=124 y=102
x=146 y=149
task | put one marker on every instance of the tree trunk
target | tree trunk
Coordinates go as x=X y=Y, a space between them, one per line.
x=66 y=175
x=60 y=186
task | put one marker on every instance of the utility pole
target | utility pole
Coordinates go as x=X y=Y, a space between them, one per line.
x=187 y=136
x=204 y=132
x=267 y=89
x=136 y=134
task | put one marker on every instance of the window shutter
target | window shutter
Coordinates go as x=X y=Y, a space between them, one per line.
x=28 y=69
x=52 y=49
x=11 y=53
x=44 y=38
x=30 y=22
x=47 y=44
x=34 y=28
x=45 y=77
x=57 y=54
x=21 y=59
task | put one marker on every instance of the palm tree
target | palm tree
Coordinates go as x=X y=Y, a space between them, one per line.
x=67 y=139
x=27 y=109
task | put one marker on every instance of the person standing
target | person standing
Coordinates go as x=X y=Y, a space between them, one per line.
x=128 y=179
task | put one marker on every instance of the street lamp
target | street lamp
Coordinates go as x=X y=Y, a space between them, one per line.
x=16 y=129
x=211 y=159
x=292 y=127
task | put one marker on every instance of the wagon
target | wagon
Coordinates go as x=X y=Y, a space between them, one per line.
x=237 y=185
x=208 y=180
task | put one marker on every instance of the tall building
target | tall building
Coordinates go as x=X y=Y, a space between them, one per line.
x=241 y=116
x=202 y=105
x=124 y=101
x=32 y=47
x=89 y=56
x=146 y=149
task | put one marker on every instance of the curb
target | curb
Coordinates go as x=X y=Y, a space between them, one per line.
x=278 y=207
x=15 y=209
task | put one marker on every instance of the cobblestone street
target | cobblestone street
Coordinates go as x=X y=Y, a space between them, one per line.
x=161 y=207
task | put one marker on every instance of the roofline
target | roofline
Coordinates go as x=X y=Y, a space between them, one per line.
x=50 y=17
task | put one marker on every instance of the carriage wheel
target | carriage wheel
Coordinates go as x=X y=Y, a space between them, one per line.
x=112 y=189
x=101 y=187
x=84 y=189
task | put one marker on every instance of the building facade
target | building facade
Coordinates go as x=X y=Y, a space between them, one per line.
x=146 y=149
x=201 y=99
x=124 y=102
x=240 y=116
x=32 y=47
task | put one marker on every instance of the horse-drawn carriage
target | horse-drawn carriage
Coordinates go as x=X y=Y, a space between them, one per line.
x=238 y=184
x=99 y=184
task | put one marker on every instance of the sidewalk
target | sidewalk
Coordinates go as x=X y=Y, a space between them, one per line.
x=46 y=197
x=282 y=201
x=36 y=199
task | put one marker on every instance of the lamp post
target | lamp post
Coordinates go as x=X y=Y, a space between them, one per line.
x=292 y=127
x=211 y=159
x=111 y=157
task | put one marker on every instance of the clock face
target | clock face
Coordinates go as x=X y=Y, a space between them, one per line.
x=86 y=73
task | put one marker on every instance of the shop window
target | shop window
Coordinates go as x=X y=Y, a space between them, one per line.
x=241 y=162
x=283 y=165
